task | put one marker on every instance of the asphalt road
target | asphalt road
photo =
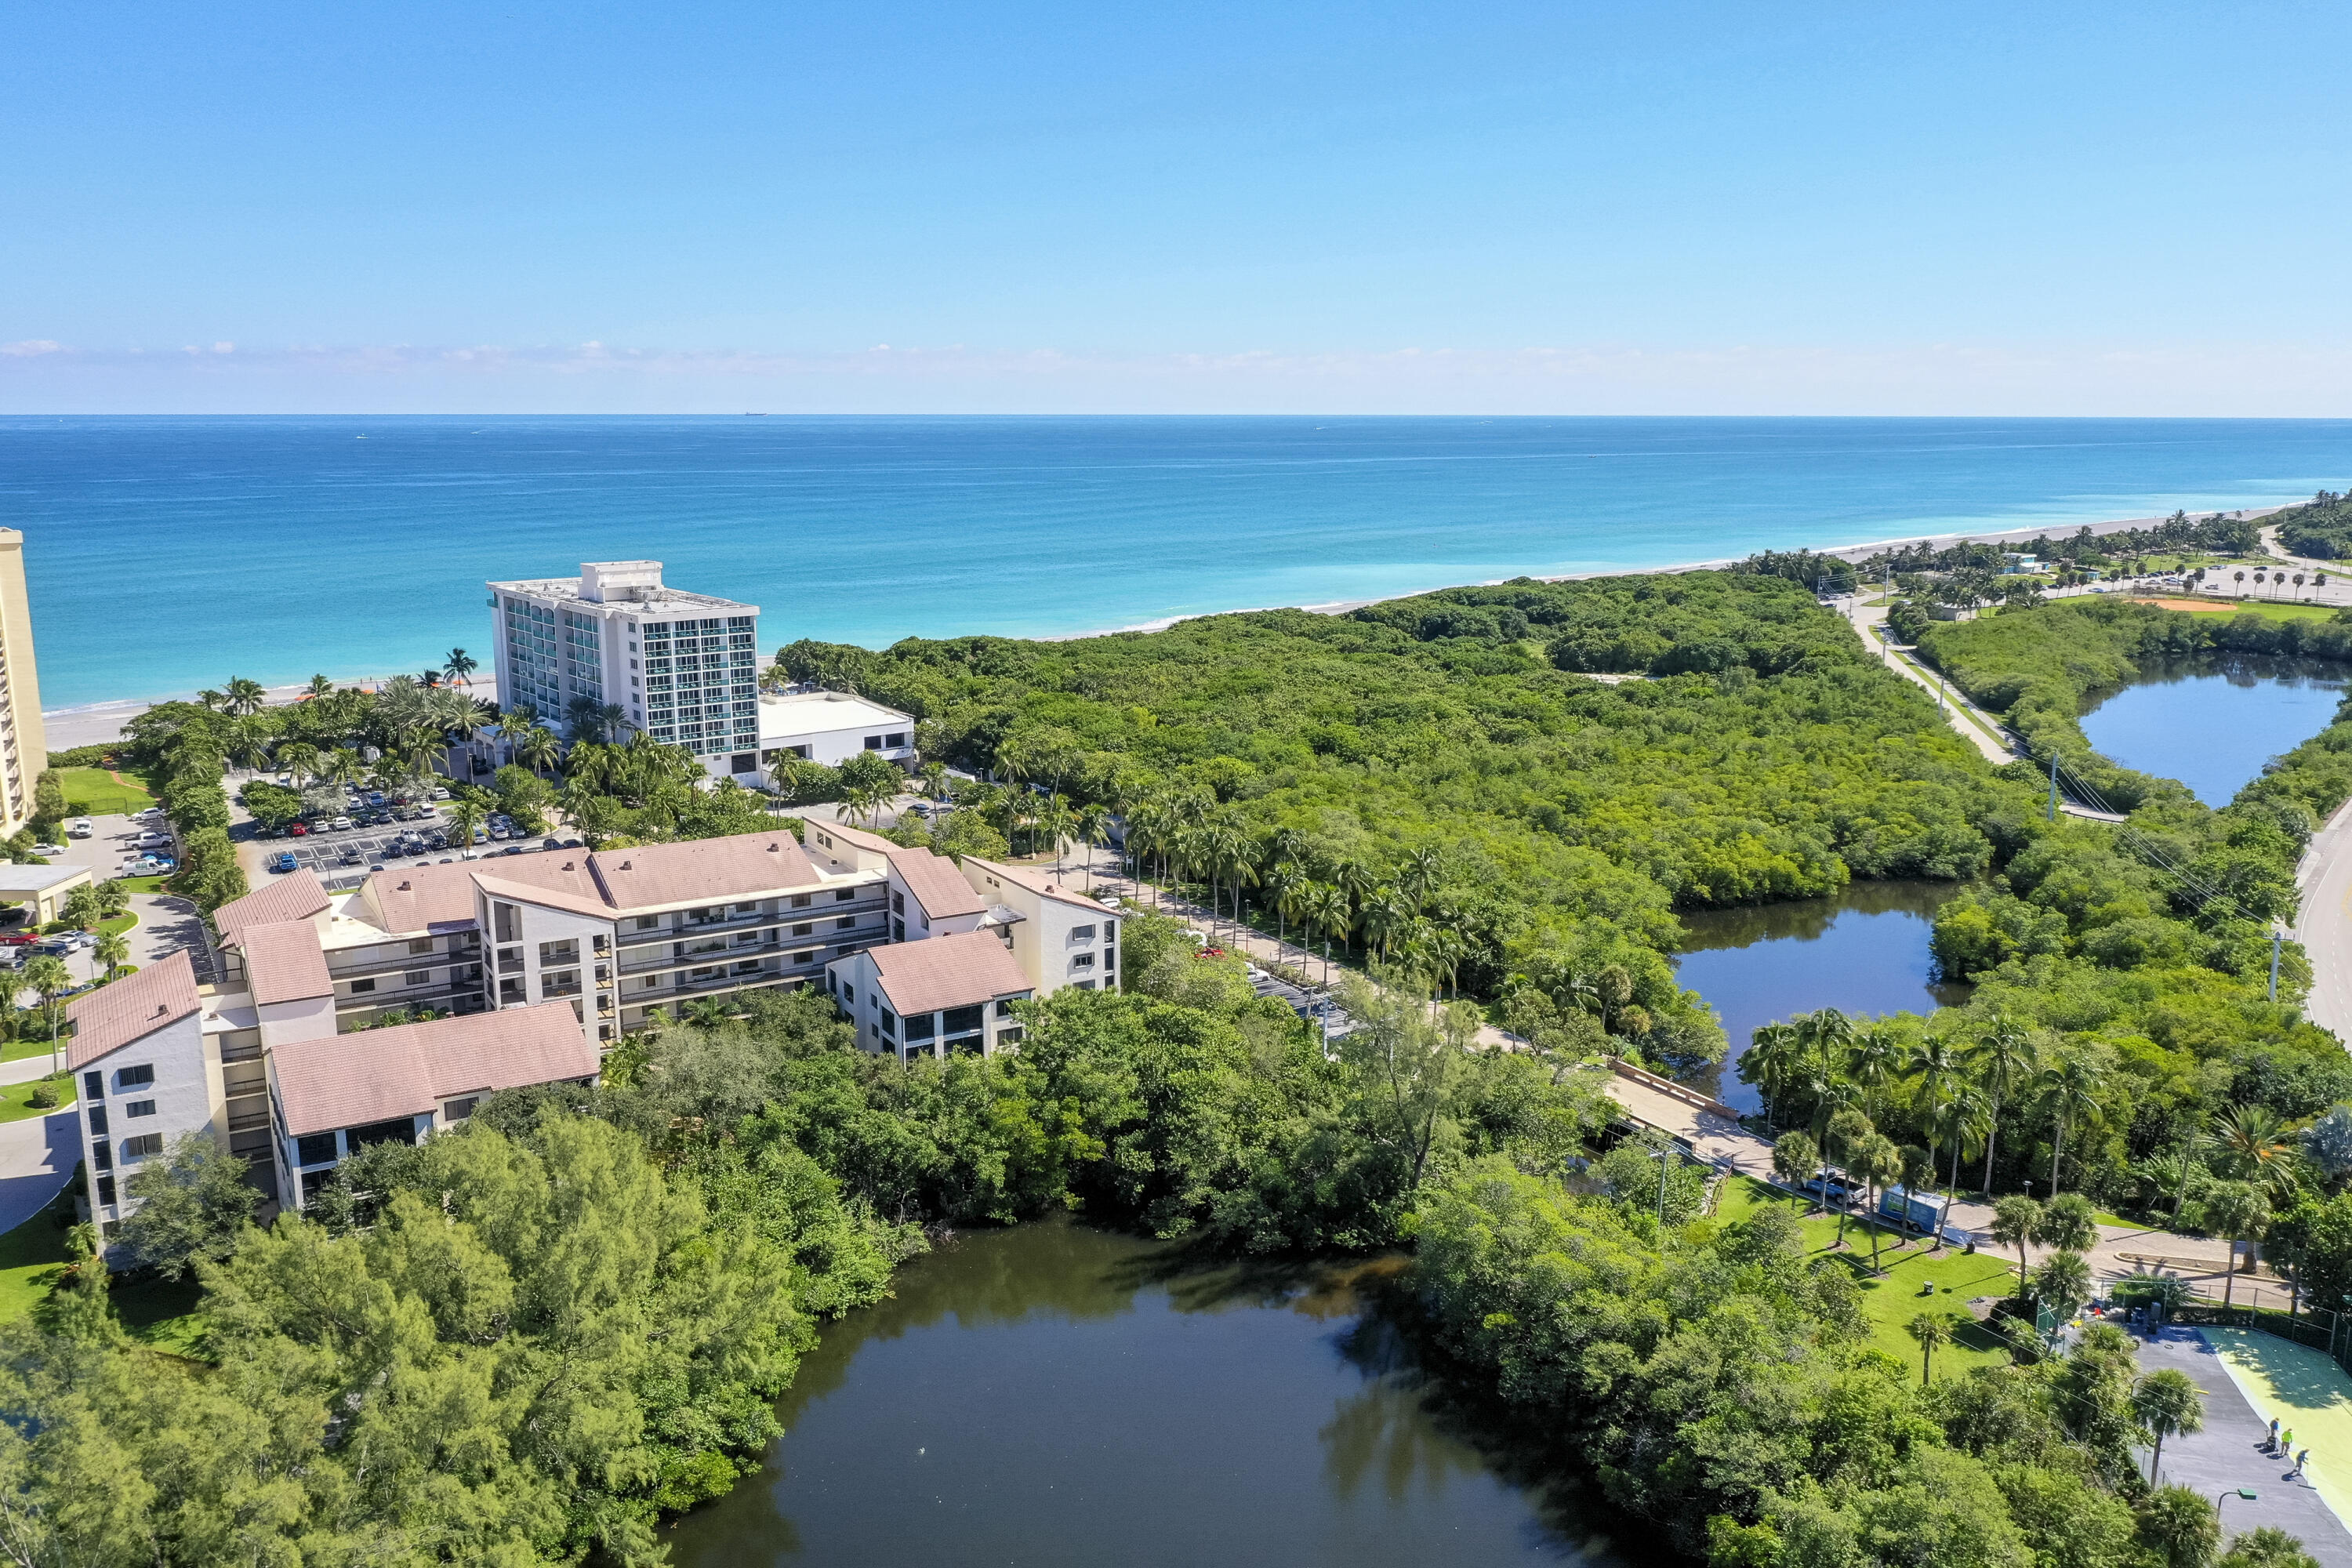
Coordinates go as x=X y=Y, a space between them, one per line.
x=2324 y=924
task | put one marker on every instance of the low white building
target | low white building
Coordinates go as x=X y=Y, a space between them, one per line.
x=829 y=727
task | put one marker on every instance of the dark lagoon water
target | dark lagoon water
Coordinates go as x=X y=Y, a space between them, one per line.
x=2212 y=722
x=1865 y=952
x=1061 y=1396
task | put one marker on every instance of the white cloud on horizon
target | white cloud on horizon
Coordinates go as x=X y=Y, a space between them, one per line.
x=2246 y=380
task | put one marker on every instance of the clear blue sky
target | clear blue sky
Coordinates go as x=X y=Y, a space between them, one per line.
x=1839 y=206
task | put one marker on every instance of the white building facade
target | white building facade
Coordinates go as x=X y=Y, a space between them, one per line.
x=684 y=667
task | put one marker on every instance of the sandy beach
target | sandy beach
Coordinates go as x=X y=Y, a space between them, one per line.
x=98 y=722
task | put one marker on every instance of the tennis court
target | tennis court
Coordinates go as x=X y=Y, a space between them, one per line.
x=2300 y=1388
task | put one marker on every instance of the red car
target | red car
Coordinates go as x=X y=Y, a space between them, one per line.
x=19 y=939
x=298 y=830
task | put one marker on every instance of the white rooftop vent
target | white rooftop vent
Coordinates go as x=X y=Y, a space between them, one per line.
x=619 y=582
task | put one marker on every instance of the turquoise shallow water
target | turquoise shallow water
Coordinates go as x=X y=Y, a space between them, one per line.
x=169 y=553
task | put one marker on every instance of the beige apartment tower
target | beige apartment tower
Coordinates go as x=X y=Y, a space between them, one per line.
x=23 y=743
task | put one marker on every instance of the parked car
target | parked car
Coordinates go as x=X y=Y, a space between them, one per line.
x=340 y=825
x=19 y=939
x=298 y=830
x=46 y=850
x=282 y=861
x=151 y=839
x=482 y=835
x=79 y=827
x=440 y=793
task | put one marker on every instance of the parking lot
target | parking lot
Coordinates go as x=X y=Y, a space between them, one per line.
x=342 y=860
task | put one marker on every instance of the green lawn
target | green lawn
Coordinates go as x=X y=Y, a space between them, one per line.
x=142 y=884
x=32 y=1256
x=16 y=1098
x=89 y=792
x=1889 y=1302
x=2281 y=610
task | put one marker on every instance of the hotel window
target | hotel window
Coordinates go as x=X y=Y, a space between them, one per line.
x=802 y=930
x=417 y=977
x=139 y=1108
x=845 y=923
x=143 y=1146
x=98 y=1122
x=105 y=1189
x=101 y=1156
x=361 y=987
x=459 y=1109
x=421 y=945
x=1083 y=961
x=800 y=900
x=843 y=895
x=135 y=1077
x=314 y=1149
x=873 y=743
x=895 y=739
x=93 y=1085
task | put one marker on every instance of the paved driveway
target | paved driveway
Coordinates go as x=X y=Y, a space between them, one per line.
x=2228 y=1453
x=37 y=1156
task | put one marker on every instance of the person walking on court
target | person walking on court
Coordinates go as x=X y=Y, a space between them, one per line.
x=2273 y=1442
x=2300 y=1461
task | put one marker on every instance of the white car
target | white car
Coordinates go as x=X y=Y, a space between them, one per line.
x=48 y=850
x=79 y=827
x=151 y=839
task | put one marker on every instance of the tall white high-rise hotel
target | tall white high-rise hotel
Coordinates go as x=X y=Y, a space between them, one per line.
x=684 y=667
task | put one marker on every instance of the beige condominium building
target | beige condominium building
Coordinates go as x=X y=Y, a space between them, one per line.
x=24 y=745
x=540 y=963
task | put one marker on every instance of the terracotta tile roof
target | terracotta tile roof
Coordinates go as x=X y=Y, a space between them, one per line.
x=936 y=883
x=374 y=1075
x=296 y=896
x=947 y=972
x=422 y=897
x=285 y=963
x=557 y=898
x=1041 y=883
x=132 y=1008
x=703 y=870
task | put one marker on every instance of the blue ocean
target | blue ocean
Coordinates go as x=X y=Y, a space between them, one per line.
x=171 y=554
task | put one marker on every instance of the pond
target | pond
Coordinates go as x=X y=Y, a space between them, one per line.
x=2213 y=721
x=1054 y=1394
x=1863 y=951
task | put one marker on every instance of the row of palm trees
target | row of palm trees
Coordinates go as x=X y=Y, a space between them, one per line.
x=1404 y=924
x=2277 y=580
x=1960 y=1089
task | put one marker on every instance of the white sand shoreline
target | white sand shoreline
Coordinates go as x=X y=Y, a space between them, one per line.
x=94 y=723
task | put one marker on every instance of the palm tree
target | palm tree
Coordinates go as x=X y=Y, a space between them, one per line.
x=111 y=953
x=610 y=719
x=539 y=750
x=2062 y=1284
x=1386 y=915
x=464 y=817
x=2298 y=585
x=1929 y=1330
x=1057 y=821
x=459 y=667
x=1876 y=1058
x=1417 y=878
x=1848 y=1129
x=319 y=686
x=2256 y=1147
x=48 y=977
x=2241 y=577
x=2015 y=1218
x=243 y=697
x=1877 y=1161
x=1325 y=909
x=1093 y=822
x=2239 y=1210
x=1282 y=881
x=2169 y=1404
x=1794 y=1160
x=2073 y=1089
x=2002 y=1059
x=299 y=759
x=1769 y=1063
x=1961 y=1119
x=2182 y=1527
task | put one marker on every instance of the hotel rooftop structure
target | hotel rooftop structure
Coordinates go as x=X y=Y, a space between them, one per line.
x=684 y=667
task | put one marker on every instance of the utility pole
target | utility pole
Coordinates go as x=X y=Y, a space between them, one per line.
x=2053 y=783
x=2278 y=937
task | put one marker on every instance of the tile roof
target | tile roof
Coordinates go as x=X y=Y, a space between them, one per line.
x=374 y=1075
x=1041 y=883
x=936 y=885
x=296 y=896
x=422 y=897
x=130 y=1008
x=557 y=898
x=285 y=964
x=703 y=870
x=941 y=971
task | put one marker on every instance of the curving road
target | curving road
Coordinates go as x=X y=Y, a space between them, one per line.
x=2323 y=923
